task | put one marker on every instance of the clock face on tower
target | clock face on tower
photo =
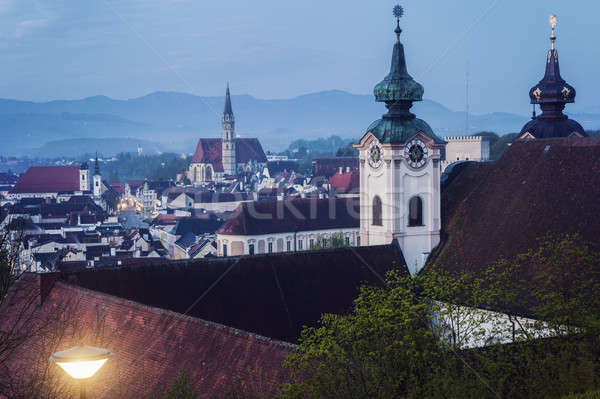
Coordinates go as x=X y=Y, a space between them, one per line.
x=375 y=155
x=416 y=153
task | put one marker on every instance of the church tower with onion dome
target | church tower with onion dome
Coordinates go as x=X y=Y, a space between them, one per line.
x=400 y=169
x=552 y=93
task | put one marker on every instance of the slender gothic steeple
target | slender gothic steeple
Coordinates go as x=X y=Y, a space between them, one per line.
x=227 y=110
x=552 y=93
x=228 y=137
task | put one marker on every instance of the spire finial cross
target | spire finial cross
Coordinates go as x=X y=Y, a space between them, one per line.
x=398 y=13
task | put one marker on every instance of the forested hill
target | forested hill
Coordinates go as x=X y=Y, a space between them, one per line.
x=170 y=121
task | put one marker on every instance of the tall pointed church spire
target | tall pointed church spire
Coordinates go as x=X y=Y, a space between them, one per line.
x=228 y=154
x=228 y=110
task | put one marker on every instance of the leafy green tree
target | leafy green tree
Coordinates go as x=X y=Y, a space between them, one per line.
x=335 y=240
x=383 y=349
x=347 y=151
x=416 y=336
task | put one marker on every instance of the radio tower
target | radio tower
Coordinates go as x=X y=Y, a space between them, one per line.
x=467 y=105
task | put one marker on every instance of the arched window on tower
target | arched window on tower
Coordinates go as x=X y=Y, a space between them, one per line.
x=377 y=219
x=415 y=211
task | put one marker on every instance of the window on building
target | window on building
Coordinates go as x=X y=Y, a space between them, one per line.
x=224 y=249
x=270 y=247
x=251 y=249
x=312 y=242
x=415 y=211
x=300 y=245
x=377 y=211
x=347 y=240
x=289 y=246
x=358 y=241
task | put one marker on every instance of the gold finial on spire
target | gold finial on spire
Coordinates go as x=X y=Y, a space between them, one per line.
x=553 y=21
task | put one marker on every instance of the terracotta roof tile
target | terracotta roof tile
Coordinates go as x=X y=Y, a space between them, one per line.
x=48 y=179
x=151 y=345
x=210 y=151
x=346 y=182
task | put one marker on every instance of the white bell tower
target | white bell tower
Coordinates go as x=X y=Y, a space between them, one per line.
x=97 y=180
x=400 y=169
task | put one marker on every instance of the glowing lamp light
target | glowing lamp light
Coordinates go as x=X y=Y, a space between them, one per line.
x=81 y=361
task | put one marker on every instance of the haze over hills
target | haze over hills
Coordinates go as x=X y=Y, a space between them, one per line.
x=171 y=121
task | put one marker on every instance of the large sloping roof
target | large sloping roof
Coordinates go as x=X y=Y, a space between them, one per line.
x=246 y=149
x=272 y=294
x=151 y=345
x=48 y=179
x=537 y=187
x=273 y=216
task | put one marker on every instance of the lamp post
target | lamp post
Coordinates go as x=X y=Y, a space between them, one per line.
x=81 y=362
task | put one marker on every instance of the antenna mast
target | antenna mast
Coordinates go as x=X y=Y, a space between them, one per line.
x=467 y=103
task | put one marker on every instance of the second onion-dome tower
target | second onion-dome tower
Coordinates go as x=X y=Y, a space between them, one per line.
x=552 y=93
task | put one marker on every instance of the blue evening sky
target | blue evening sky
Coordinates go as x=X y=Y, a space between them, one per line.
x=66 y=49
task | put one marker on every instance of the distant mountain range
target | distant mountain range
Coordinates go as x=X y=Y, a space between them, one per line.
x=170 y=121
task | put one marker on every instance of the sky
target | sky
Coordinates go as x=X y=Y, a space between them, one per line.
x=69 y=49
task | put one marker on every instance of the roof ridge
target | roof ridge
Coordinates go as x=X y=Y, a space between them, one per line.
x=232 y=330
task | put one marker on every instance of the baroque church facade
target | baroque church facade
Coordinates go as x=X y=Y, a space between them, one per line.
x=216 y=159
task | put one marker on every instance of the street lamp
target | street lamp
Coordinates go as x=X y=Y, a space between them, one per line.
x=81 y=362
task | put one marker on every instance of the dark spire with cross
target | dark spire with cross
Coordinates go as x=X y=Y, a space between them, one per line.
x=228 y=110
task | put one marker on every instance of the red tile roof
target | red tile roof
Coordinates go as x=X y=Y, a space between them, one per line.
x=328 y=166
x=151 y=345
x=210 y=151
x=118 y=187
x=135 y=183
x=346 y=182
x=306 y=214
x=48 y=179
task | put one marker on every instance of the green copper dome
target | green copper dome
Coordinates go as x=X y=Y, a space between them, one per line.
x=398 y=85
x=398 y=90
